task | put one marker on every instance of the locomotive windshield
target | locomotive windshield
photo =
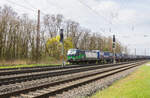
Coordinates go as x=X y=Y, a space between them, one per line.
x=72 y=52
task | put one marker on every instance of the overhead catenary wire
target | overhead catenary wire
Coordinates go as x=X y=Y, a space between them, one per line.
x=12 y=2
x=110 y=29
x=98 y=14
x=29 y=4
x=48 y=1
x=27 y=8
x=32 y=6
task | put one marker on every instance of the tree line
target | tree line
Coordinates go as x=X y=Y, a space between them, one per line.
x=18 y=36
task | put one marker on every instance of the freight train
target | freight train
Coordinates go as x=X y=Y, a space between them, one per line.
x=76 y=56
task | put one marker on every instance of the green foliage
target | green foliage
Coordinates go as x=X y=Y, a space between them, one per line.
x=54 y=47
x=68 y=44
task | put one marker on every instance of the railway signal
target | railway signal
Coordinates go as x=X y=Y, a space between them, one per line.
x=62 y=41
x=114 y=39
x=113 y=45
x=114 y=57
x=61 y=35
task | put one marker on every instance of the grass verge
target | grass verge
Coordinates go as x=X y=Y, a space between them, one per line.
x=26 y=65
x=49 y=61
x=136 y=85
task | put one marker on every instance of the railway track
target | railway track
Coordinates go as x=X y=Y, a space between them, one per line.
x=14 y=78
x=10 y=71
x=52 y=88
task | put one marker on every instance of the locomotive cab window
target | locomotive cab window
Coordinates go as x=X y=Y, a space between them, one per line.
x=72 y=52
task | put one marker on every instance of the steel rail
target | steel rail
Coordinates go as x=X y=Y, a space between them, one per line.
x=11 y=71
x=121 y=68
x=4 y=80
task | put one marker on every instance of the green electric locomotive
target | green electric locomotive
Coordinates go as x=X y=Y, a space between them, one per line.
x=75 y=55
x=83 y=56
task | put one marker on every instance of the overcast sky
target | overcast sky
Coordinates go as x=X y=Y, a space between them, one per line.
x=129 y=20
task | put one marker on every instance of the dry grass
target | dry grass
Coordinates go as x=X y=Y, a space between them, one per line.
x=13 y=62
x=48 y=60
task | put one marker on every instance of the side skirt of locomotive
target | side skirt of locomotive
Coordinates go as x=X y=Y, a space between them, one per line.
x=90 y=61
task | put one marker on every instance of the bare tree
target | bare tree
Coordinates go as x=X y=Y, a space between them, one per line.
x=18 y=40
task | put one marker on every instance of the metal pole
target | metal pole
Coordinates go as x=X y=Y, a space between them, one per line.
x=145 y=51
x=38 y=37
x=135 y=51
x=114 y=57
x=63 y=63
